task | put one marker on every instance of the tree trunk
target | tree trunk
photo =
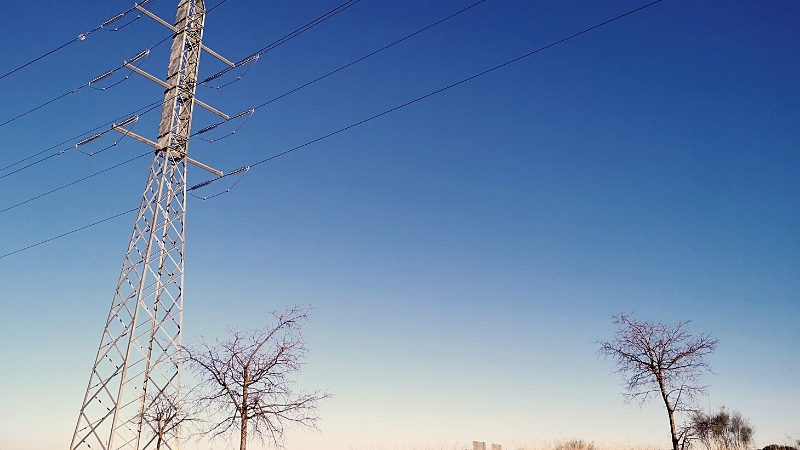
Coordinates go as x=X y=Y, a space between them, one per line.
x=672 y=429
x=243 y=437
x=670 y=413
x=244 y=412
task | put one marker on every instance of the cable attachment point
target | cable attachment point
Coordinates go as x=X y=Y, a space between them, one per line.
x=107 y=74
x=87 y=140
x=249 y=59
x=244 y=113
x=140 y=55
x=82 y=37
x=239 y=170
x=213 y=77
x=198 y=186
x=113 y=19
x=127 y=121
x=208 y=128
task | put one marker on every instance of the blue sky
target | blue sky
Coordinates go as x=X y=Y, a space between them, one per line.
x=464 y=254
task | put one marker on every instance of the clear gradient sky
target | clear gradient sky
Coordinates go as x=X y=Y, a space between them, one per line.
x=463 y=255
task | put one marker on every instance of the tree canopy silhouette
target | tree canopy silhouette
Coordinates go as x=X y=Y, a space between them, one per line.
x=656 y=359
x=247 y=382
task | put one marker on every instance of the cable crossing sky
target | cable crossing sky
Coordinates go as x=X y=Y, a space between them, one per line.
x=83 y=36
x=213 y=126
x=246 y=168
x=245 y=61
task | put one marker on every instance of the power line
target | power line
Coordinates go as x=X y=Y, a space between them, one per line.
x=136 y=114
x=284 y=39
x=74 y=182
x=356 y=61
x=440 y=90
x=361 y=122
x=247 y=113
x=80 y=37
x=59 y=97
x=215 y=6
x=385 y=47
x=74 y=138
x=142 y=54
x=305 y=27
x=69 y=232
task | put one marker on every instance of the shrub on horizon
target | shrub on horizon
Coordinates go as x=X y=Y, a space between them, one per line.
x=575 y=444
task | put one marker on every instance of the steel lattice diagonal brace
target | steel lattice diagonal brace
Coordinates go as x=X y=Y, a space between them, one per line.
x=139 y=355
x=139 y=352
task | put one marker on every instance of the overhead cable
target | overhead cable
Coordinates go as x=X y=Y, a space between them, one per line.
x=254 y=56
x=137 y=57
x=385 y=47
x=80 y=37
x=140 y=55
x=68 y=233
x=59 y=97
x=74 y=182
x=62 y=151
x=511 y=61
x=450 y=86
x=81 y=135
x=125 y=64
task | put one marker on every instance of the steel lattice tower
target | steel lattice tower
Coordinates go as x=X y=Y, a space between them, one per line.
x=139 y=359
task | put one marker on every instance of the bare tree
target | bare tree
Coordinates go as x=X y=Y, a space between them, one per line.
x=723 y=430
x=163 y=416
x=247 y=381
x=657 y=359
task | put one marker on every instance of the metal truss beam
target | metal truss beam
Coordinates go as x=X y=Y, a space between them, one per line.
x=139 y=358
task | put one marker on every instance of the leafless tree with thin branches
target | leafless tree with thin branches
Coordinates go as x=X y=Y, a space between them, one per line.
x=247 y=382
x=164 y=414
x=656 y=359
x=724 y=430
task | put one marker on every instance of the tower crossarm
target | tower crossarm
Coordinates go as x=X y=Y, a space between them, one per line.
x=216 y=172
x=167 y=86
x=212 y=109
x=175 y=30
x=145 y=74
x=133 y=135
x=144 y=140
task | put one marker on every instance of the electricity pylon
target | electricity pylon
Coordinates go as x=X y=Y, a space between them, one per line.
x=138 y=363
